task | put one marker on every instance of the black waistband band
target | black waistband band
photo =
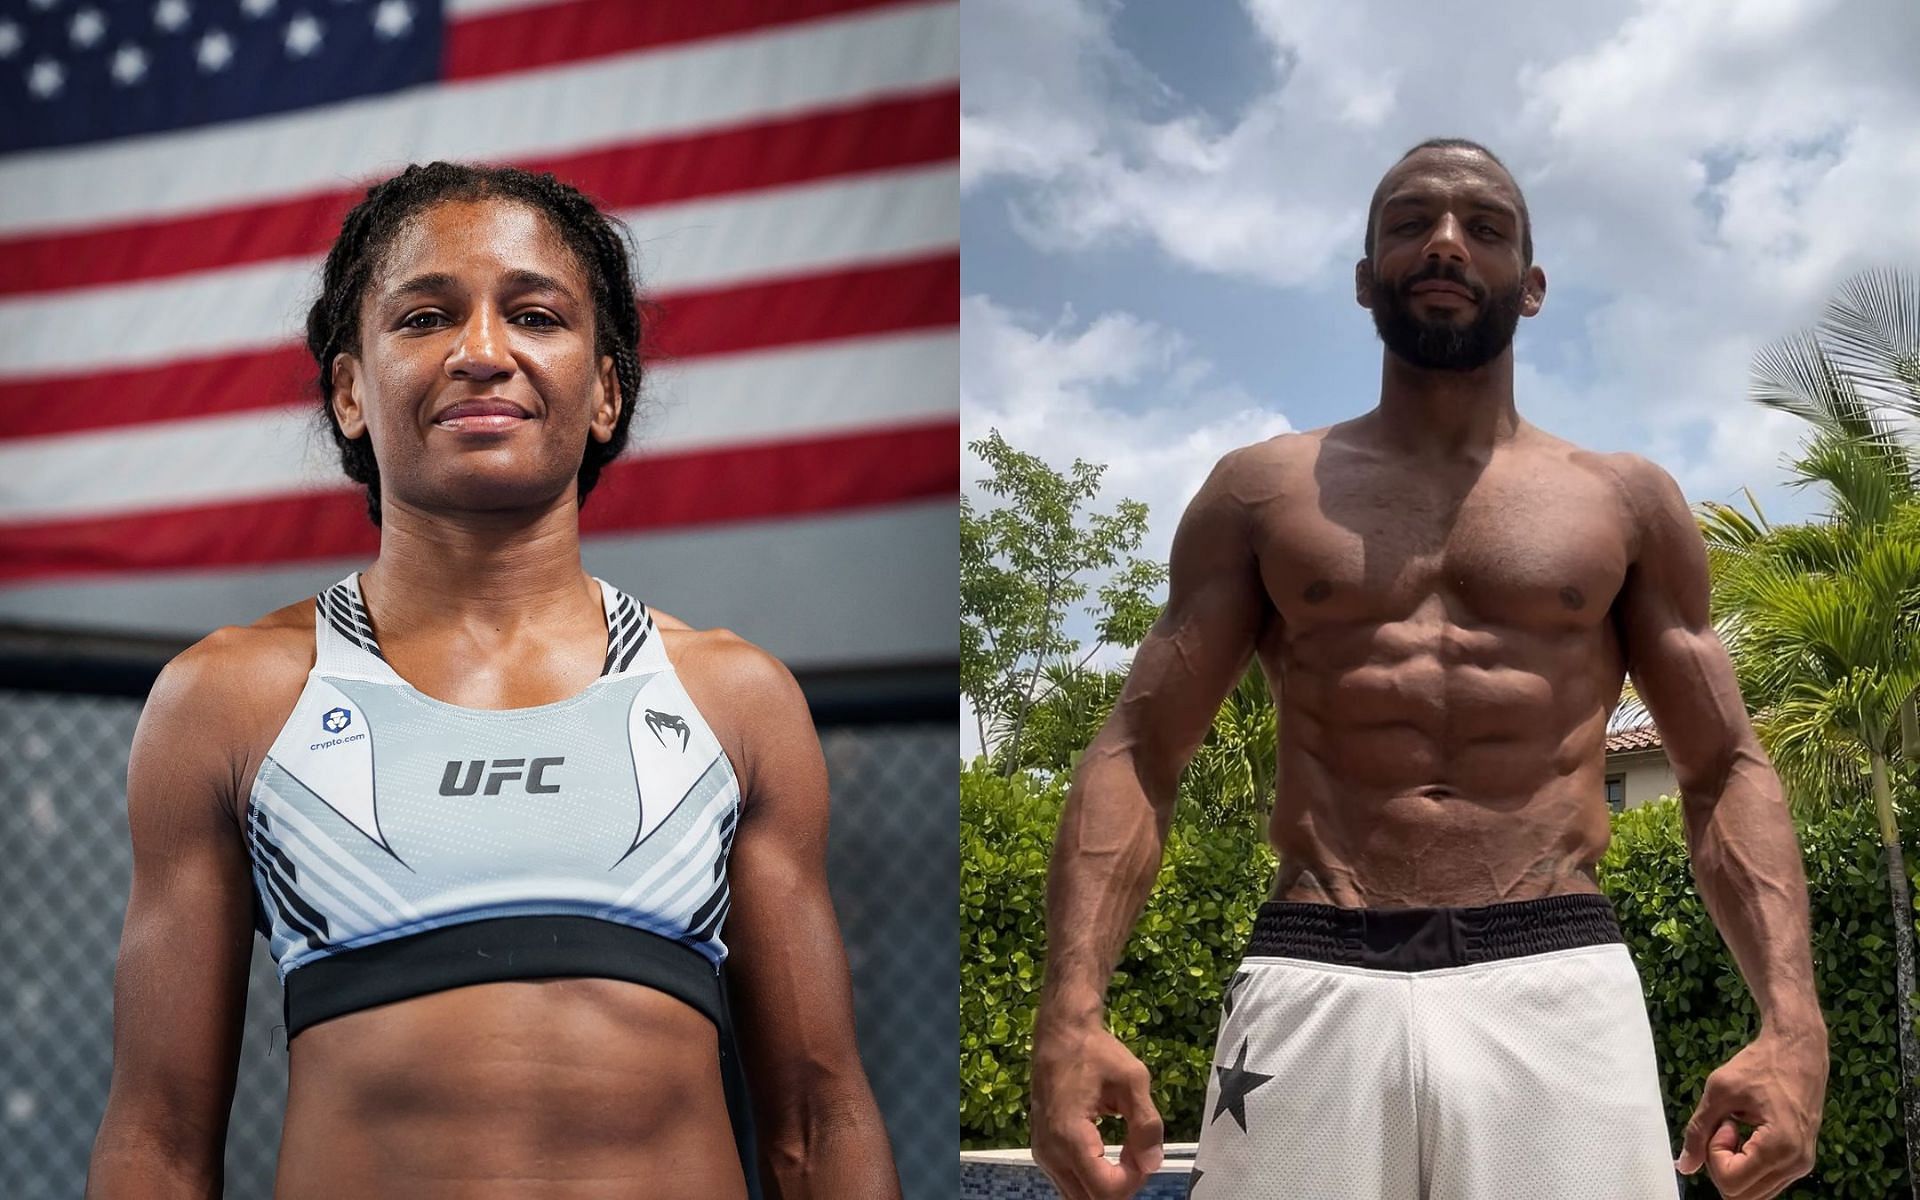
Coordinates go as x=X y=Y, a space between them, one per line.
x=493 y=950
x=1422 y=939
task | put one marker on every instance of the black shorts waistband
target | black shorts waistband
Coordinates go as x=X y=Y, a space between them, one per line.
x=1423 y=939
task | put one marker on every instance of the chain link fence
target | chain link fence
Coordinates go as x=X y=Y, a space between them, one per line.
x=63 y=890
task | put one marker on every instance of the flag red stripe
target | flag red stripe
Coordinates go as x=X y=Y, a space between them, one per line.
x=524 y=38
x=738 y=483
x=915 y=294
x=896 y=132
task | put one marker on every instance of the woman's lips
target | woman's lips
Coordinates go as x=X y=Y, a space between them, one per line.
x=482 y=422
x=482 y=416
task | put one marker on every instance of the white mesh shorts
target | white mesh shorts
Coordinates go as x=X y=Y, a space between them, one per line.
x=1497 y=1053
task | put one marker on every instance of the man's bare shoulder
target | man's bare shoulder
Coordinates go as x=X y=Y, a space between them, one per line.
x=1257 y=472
x=1647 y=489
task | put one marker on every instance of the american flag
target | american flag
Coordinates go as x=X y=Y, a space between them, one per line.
x=173 y=171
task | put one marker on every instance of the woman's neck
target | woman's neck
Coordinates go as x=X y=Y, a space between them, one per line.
x=501 y=571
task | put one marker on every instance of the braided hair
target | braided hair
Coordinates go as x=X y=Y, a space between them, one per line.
x=333 y=323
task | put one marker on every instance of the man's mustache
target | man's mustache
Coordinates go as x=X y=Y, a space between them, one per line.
x=1443 y=272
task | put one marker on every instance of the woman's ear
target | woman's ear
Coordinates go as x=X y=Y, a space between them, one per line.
x=606 y=401
x=346 y=401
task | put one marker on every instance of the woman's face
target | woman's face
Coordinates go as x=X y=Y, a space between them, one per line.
x=476 y=377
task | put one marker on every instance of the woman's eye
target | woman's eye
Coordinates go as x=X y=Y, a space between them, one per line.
x=545 y=319
x=413 y=322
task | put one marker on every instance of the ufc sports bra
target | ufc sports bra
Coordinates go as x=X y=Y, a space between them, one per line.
x=403 y=845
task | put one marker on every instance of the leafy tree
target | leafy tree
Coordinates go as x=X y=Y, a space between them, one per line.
x=1823 y=620
x=1024 y=565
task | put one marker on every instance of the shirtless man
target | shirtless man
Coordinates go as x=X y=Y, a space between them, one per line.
x=1444 y=599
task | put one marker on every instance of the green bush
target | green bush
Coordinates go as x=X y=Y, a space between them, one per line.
x=1164 y=1000
x=1702 y=1013
x=1165 y=996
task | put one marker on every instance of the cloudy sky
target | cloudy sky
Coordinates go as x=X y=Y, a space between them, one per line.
x=1162 y=204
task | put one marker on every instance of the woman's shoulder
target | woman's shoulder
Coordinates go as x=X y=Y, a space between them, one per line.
x=720 y=657
x=239 y=674
x=748 y=697
x=222 y=700
x=277 y=649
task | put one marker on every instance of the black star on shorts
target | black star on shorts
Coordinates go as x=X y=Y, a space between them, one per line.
x=1233 y=991
x=1235 y=1082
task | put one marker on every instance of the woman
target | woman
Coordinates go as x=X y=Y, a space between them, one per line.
x=493 y=815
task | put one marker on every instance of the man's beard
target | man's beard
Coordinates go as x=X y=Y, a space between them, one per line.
x=1440 y=344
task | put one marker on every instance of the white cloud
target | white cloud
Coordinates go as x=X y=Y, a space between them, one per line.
x=1703 y=172
x=1057 y=389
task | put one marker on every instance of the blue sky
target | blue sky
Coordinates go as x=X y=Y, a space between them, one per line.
x=1162 y=203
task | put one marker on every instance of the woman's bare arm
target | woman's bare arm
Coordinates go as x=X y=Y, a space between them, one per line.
x=180 y=981
x=819 y=1129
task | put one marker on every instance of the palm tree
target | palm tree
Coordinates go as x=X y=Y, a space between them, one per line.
x=1232 y=775
x=1823 y=620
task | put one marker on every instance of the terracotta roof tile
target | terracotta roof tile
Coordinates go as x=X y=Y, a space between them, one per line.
x=1640 y=737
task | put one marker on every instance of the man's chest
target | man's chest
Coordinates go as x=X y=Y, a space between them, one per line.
x=1518 y=545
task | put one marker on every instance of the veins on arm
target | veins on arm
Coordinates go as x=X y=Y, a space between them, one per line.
x=1113 y=828
x=1746 y=859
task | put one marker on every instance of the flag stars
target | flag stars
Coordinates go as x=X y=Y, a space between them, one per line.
x=87 y=27
x=44 y=5
x=256 y=8
x=171 y=15
x=45 y=78
x=215 y=51
x=303 y=35
x=393 y=18
x=129 y=65
x=9 y=39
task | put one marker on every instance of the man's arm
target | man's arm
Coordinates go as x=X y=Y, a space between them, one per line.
x=1745 y=858
x=819 y=1130
x=1112 y=832
x=181 y=979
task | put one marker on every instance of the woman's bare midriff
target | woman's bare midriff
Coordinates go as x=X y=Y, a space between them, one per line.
x=567 y=1089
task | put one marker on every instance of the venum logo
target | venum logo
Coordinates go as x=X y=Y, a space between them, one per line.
x=336 y=719
x=462 y=776
x=657 y=721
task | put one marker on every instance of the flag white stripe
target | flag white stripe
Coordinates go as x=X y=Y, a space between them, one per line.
x=711 y=243
x=813 y=390
x=675 y=90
